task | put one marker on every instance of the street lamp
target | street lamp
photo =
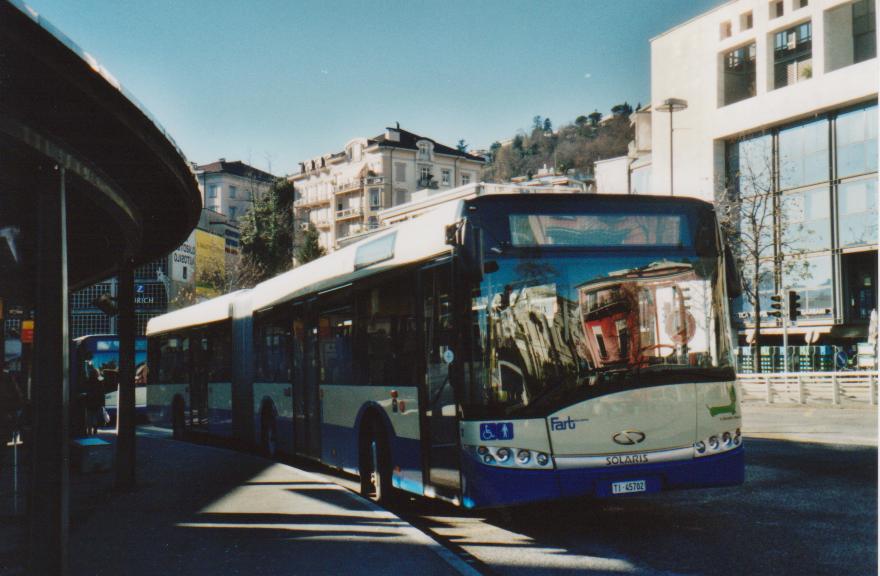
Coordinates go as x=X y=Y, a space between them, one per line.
x=672 y=105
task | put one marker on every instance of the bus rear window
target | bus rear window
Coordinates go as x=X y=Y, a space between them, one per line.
x=595 y=230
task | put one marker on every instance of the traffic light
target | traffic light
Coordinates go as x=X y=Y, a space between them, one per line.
x=776 y=305
x=794 y=305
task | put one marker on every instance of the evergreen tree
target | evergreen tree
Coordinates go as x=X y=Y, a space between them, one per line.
x=309 y=249
x=267 y=233
x=548 y=126
x=462 y=146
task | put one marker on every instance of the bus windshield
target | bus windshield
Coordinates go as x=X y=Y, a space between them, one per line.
x=556 y=325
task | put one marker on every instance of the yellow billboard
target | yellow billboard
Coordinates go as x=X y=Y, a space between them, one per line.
x=210 y=264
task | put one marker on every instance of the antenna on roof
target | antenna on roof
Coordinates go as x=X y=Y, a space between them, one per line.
x=398 y=125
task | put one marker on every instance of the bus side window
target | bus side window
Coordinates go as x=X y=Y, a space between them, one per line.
x=387 y=334
x=335 y=347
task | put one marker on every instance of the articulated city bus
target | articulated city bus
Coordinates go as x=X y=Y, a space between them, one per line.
x=495 y=351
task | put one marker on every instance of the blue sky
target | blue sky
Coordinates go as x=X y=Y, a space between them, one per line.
x=273 y=82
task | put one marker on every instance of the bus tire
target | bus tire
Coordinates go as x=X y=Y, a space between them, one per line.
x=268 y=434
x=178 y=419
x=375 y=469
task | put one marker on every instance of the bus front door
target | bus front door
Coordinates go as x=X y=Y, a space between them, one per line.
x=311 y=391
x=441 y=422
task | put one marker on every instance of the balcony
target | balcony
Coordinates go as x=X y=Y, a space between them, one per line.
x=311 y=201
x=348 y=214
x=374 y=181
x=322 y=224
x=427 y=183
x=346 y=187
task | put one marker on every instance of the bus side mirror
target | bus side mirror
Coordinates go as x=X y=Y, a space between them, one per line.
x=734 y=280
x=452 y=234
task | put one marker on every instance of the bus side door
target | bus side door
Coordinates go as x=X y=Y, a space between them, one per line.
x=441 y=426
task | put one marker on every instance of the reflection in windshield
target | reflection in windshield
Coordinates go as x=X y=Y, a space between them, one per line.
x=551 y=328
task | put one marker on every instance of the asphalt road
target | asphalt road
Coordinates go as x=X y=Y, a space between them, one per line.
x=805 y=508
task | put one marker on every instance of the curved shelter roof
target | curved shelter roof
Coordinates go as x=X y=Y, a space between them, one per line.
x=130 y=190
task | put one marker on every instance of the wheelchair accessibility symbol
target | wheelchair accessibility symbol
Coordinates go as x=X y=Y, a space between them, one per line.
x=496 y=431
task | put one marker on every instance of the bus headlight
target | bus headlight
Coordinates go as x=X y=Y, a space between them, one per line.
x=713 y=443
x=726 y=439
x=738 y=437
x=510 y=457
x=700 y=446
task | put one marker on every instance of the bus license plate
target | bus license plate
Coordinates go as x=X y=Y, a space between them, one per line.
x=629 y=487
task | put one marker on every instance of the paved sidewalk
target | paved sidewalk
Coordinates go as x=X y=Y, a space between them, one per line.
x=811 y=423
x=199 y=510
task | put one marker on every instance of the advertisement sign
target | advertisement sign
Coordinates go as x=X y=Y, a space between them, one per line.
x=27 y=331
x=210 y=263
x=183 y=261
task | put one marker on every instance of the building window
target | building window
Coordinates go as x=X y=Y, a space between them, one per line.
x=776 y=9
x=375 y=198
x=725 y=30
x=424 y=173
x=233 y=191
x=802 y=3
x=806 y=221
x=857 y=208
x=424 y=150
x=465 y=178
x=739 y=74
x=445 y=177
x=857 y=142
x=864 y=30
x=214 y=191
x=746 y=21
x=850 y=34
x=399 y=172
x=811 y=278
x=793 y=55
x=803 y=154
x=232 y=211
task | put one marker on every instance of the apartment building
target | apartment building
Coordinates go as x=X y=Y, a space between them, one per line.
x=342 y=193
x=784 y=91
x=229 y=187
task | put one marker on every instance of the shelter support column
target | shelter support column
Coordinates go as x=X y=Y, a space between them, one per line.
x=49 y=494
x=125 y=409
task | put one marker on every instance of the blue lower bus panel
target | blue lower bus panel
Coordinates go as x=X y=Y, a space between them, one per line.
x=489 y=486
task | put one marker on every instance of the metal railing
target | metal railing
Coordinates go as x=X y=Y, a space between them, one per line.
x=348 y=213
x=834 y=388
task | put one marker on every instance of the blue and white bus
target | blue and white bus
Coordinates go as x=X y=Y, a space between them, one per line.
x=495 y=351
x=102 y=351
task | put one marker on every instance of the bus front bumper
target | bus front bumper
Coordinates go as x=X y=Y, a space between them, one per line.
x=490 y=486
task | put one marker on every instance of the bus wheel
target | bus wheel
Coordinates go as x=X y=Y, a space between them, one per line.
x=268 y=434
x=178 y=420
x=376 y=467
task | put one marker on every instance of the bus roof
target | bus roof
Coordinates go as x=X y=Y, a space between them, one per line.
x=411 y=241
x=213 y=310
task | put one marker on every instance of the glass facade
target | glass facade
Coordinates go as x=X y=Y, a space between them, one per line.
x=803 y=154
x=819 y=181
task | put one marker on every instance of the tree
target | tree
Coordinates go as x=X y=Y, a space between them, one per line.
x=622 y=110
x=595 y=117
x=581 y=121
x=537 y=123
x=267 y=233
x=461 y=146
x=309 y=249
x=756 y=227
